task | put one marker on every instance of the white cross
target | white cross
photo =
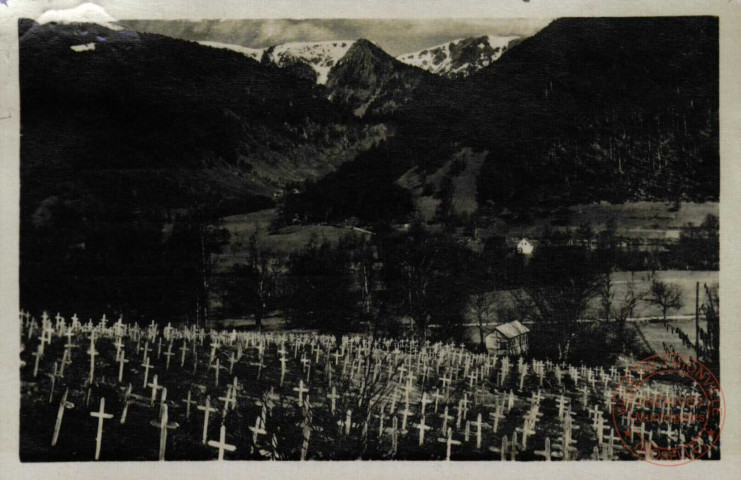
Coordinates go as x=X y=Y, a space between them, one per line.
x=168 y=354
x=216 y=368
x=450 y=442
x=283 y=361
x=121 y=361
x=479 y=425
x=229 y=399
x=394 y=431
x=232 y=360
x=38 y=354
x=404 y=414
x=146 y=365
x=301 y=390
x=188 y=403
x=422 y=427
x=497 y=415
x=333 y=397
x=92 y=352
x=63 y=404
x=445 y=418
x=528 y=428
x=546 y=452
x=101 y=415
x=221 y=444
x=207 y=409
x=183 y=349
x=502 y=451
x=163 y=425
x=154 y=386
x=561 y=401
x=437 y=396
x=146 y=350
x=258 y=429
x=53 y=376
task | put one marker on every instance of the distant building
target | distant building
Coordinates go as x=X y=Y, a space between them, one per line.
x=525 y=247
x=508 y=339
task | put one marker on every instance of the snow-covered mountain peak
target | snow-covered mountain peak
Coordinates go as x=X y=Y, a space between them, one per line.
x=84 y=13
x=461 y=57
x=320 y=56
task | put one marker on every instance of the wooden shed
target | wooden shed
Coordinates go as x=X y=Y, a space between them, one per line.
x=508 y=339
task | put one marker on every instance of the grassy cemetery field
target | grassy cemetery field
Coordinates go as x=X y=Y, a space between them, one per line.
x=109 y=390
x=684 y=280
x=659 y=336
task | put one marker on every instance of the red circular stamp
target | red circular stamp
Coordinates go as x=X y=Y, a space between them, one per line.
x=669 y=409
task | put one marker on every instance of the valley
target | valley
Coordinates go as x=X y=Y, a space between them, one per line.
x=215 y=161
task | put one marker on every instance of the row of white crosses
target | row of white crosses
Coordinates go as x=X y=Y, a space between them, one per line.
x=92 y=352
x=154 y=385
x=417 y=364
x=680 y=405
x=101 y=329
x=422 y=425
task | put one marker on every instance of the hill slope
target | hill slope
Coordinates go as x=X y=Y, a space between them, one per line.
x=150 y=120
x=590 y=109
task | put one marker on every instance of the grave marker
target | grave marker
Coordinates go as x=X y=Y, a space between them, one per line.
x=207 y=410
x=121 y=362
x=301 y=390
x=188 y=403
x=221 y=444
x=422 y=428
x=101 y=416
x=164 y=425
x=449 y=443
x=154 y=386
x=146 y=365
x=63 y=404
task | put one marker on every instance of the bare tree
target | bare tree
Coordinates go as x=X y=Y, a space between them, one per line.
x=482 y=306
x=615 y=314
x=265 y=267
x=560 y=283
x=666 y=296
x=372 y=378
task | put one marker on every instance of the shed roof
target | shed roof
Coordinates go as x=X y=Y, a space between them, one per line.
x=512 y=329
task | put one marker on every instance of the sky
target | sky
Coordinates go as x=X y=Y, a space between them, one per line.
x=394 y=36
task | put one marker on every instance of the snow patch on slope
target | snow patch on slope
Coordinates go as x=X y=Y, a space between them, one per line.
x=85 y=13
x=85 y=47
x=255 y=53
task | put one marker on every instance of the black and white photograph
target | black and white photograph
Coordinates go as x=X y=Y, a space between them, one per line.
x=311 y=239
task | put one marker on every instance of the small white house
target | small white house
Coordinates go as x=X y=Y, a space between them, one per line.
x=525 y=247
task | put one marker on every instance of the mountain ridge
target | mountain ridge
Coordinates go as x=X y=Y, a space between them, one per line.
x=461 y=57
x=586 y=110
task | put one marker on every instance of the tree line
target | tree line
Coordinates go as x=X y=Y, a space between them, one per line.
x=419 y=281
